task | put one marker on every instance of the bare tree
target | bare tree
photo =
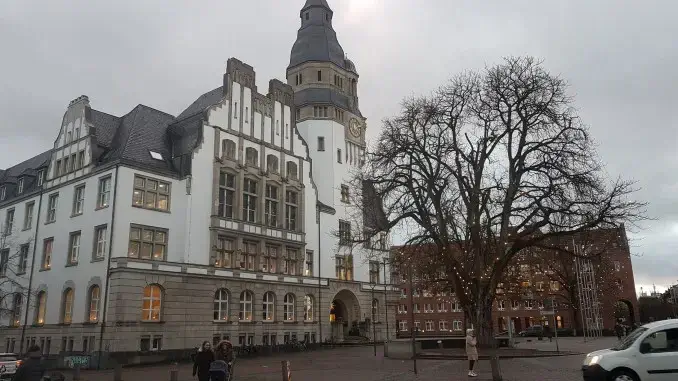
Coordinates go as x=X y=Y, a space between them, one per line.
x=13 y=276
x=489 y=166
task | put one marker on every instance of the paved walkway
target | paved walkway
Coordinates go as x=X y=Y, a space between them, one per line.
x=359 y=364
x=568 y=344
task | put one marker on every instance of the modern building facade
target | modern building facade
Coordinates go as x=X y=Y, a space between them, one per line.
x=150 y=232
x=541 y=289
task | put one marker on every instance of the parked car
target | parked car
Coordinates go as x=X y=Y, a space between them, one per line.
x=533 y=331
x=8 y=364
x=649 y=353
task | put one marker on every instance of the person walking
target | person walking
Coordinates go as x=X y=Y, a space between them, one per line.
x=471 y=351
x=32 y=369
x=221 y=367
x=619 y=330
x=202 y=362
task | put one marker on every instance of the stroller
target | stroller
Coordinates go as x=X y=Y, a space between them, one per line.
x=220 y=371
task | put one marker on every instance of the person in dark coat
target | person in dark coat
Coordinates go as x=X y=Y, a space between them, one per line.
x=224 y=351
x=202 y=362
x=32 y=368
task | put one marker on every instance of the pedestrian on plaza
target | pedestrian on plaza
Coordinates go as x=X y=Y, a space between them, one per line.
x=619 y=330
x=32 y=368
x=202 y=362
x=471 y=351
x=224 y=352
x=221 y=367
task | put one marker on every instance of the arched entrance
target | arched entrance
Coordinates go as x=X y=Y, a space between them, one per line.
x=344 y=314
x=624 y=313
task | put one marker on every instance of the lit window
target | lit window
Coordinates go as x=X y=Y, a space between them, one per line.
x=221 y=305
x=151 y=304
x=94 y=297
x=67 y=314
x=288 y=307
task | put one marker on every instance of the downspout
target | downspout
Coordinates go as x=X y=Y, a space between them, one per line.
x=30 y=277
x=108 y=268
x=320 y=316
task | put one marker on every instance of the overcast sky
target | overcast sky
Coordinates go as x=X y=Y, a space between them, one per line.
x=621 y=58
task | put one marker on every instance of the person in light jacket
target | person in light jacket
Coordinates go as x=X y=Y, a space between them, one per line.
x=471 y=351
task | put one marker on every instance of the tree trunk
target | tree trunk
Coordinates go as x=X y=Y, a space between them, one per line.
x=484 y=327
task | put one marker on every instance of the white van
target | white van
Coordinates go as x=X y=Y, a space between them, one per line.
x=649 y=353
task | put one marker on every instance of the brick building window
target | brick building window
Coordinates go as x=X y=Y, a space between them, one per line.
x=226 y=194
x=224 y=253
x=151 y=193
x=148 y=243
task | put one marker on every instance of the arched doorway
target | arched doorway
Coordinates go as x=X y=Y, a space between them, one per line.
x=344 y=313
x=624 y=313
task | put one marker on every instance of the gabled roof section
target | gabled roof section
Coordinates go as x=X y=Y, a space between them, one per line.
x=105 y=127
x=203 y=102
x=142 y=130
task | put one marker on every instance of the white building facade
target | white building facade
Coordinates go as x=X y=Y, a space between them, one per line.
x=149 y=233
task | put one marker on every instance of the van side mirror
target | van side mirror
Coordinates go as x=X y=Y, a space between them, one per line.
x=645 y=348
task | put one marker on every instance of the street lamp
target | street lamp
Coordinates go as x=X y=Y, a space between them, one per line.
x=374 y=327
x=386 y=302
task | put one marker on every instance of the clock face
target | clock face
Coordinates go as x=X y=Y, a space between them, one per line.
x=354 y=127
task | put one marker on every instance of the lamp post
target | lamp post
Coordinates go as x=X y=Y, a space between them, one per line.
x=374 y=326
x=386 y=302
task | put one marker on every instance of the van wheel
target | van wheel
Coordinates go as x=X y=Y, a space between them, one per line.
x=623 y=375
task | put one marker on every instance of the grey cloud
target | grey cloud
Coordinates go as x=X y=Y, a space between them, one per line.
x=619 y=56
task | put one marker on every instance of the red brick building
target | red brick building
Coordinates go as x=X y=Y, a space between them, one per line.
x=530 y=283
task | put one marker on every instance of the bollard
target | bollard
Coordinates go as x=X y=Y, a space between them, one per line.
x=76 y=372
x=117 y=372
x=174 y=373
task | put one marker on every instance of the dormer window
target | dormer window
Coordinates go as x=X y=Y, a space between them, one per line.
x=155 y=155
x=41 y=177
x=20 y=186
x=3 y=193
x=307 y=15
x=327 y=16
x=69 y=137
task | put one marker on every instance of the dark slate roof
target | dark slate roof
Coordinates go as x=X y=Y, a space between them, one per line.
x=28 y=170
x=105 y=127
x=329 y=96
x=142 y=130
x=204 y=101
x=316 y=39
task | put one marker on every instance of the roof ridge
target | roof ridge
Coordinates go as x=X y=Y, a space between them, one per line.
x=135 y=110
x=155 y=109
x=105 y=113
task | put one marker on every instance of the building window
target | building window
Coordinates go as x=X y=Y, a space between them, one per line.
x=344 y=233
x=374 y=272
x=272 y=164
x=245 y=313
x=235 y=110
x=298 y=76
x=501 y=305
x=17 y=303
x=320 y=75
x=81 y=159
x=247 y=114
x=147 y=243
x=298 y=114
x=268 y=307
x=78 y=200
x=429 y=325
x=3 y=192
x=515 y=304
x=442 y=325
x=151 y=194
x=402 y=325
x=224 y=255
x=249 y=256
x=221 y=305
x=344 y=267
x=100 y=241
x=251 y=157
x=457 y=325
x=9 y=222
x=339 y=155
x=4 y=262
x=617 y=266
x=249 y=201
x=308 y=307
x=321 y=143
x=23 y=259
x=41 y=177
x=268 y=262
x=226 y=194
x=529 y=304
x=74 y=248
x=292 y=170
x=228 y=149
x=345 y=194
x=151 y=303
x=52 y=204
x=94 y=297
x=339 y=114
x=291 y=207
x=104 y=192
x=28 y=217
x=320 y=111
x=308 y=264
x=290 y=262
x=288 y=131
x=67 y=306
x=555 y=285
x=47 y=247
x=288 y=307
x=20 y=186
x=40 y=304
x=375 y=310
x=271 y=206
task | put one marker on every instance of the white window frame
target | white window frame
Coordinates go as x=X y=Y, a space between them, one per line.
x=288 y=307
x=221 y=304
x=268 y=307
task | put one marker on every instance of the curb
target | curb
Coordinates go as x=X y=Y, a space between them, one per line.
x=464 y=357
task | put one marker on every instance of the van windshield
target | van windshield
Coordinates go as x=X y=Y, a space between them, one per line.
x=629 y=339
